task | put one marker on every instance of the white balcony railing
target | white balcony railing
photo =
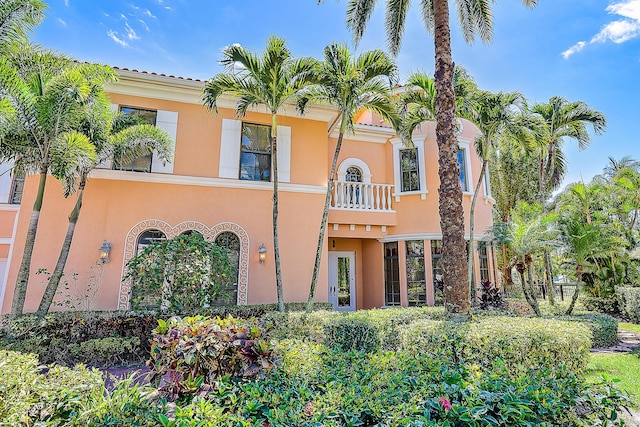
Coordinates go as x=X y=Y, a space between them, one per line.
x=362 y=197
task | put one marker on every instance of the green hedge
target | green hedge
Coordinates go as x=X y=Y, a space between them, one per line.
x=609 y=306
x=104 y=338
x=629 y=302
x=521 y=343
x=604 y=328
x=27 y=397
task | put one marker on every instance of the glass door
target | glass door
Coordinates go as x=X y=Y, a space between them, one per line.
x=342 y=280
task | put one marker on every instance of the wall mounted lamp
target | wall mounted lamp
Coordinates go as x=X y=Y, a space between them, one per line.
x=262 y=253
x=104 y=252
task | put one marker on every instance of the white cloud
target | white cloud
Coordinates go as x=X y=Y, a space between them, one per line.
x=144 y=24
x=61 y=22
x=618 y=31
x=66 y=3
x=114 y=36
x=149 y=14
x=131 y=34
x=574 y=49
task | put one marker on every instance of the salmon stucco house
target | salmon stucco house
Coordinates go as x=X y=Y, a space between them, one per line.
x=383 y=239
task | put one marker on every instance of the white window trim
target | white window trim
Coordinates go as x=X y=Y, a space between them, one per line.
x=466 y=146
x=360 y=164
x=418 y=142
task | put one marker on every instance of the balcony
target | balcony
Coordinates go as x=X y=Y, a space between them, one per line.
x=358 y=196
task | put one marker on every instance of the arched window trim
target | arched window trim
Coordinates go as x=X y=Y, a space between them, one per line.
x=209 y=233
x=352 y=161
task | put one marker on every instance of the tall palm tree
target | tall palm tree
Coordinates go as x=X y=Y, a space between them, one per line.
x=351 y=84
x=560 y=119
x=476 y=19
x=614 y=167
x=127 y=139
x=50 y=95
x=270 y=80
x=495 y=114
x=17 y=17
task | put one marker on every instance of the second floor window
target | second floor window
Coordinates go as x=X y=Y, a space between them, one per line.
x=16 y=189
x=409 y=171
x=142 y=163
x=255 y=152
x=462 y=163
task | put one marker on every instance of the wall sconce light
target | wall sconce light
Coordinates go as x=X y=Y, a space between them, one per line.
x=262 y=253
x=104 y=252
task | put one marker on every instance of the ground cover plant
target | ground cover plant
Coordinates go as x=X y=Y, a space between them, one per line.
x=621 y=367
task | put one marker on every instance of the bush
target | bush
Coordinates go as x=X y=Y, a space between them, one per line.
x=196 y=351
x=629 y=300
x=518 y=342
x=602 y=305
x=490 y=296
x=95 y=338
x=604 y=328
x=29 y=398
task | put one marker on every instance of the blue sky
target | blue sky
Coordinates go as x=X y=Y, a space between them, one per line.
x=585 y=50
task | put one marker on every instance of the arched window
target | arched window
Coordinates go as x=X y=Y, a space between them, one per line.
x=353 y=174
x=148 y=237
x=229 y=292
x=190 y=232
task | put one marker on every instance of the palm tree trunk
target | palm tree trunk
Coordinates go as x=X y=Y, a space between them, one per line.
x=551 y=290
x=323 y=225
x=276 y=244
x=533 y=303
x=456 y=285
x=472 y=224
x=574 y=298
x=22 y=281
x=54 y=280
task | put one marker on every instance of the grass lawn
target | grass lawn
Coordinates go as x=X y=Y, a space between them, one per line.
x=621 y=366
x=632 y=327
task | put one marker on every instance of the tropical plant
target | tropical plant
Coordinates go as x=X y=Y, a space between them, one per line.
x=181 y=275
x=352 y=84
x=17 y=17
x=128 y=138
x=475 y=20
x=52 y=96
x=495 y=114
x=513 y=178
x=529 y=232
x=270 y=80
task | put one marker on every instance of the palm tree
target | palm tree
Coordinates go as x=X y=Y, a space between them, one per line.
x=50 y=95
x=17 y=17
x=351 y=84
x=103 y=140
x=528 y=232
x=495 y=114
x=270 y=80
x=475 y=18
x=614 y=167
x=558 y=119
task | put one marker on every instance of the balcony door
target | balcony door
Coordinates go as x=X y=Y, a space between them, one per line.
x=342 y=280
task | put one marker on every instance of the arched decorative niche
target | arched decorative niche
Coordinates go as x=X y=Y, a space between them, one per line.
x=209 y=233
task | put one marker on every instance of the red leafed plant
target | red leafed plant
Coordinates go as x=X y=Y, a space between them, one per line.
x=188 y=355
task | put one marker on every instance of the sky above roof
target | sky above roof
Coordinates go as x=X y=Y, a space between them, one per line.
x=586 y=50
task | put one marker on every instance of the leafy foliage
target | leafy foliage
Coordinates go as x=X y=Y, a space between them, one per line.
x=490 y=296
x=179 y=275
x=197 y=351
x=630 y=302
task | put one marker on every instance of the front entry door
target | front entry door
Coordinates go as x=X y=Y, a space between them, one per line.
x=342 y=280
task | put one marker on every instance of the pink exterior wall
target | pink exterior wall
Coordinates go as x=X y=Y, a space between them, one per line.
x=115 y=202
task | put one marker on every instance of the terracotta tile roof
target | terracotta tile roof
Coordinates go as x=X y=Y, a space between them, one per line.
x=157 y=74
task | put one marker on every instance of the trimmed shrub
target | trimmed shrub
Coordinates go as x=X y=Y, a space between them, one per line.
x=96 y=338
x=604 y=328
x=629 y=302
x=29 y=398
x=196 y=351
x=602 y=305
x=518 y=342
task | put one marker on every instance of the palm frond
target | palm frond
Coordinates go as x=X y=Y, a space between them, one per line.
x=72 y=155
